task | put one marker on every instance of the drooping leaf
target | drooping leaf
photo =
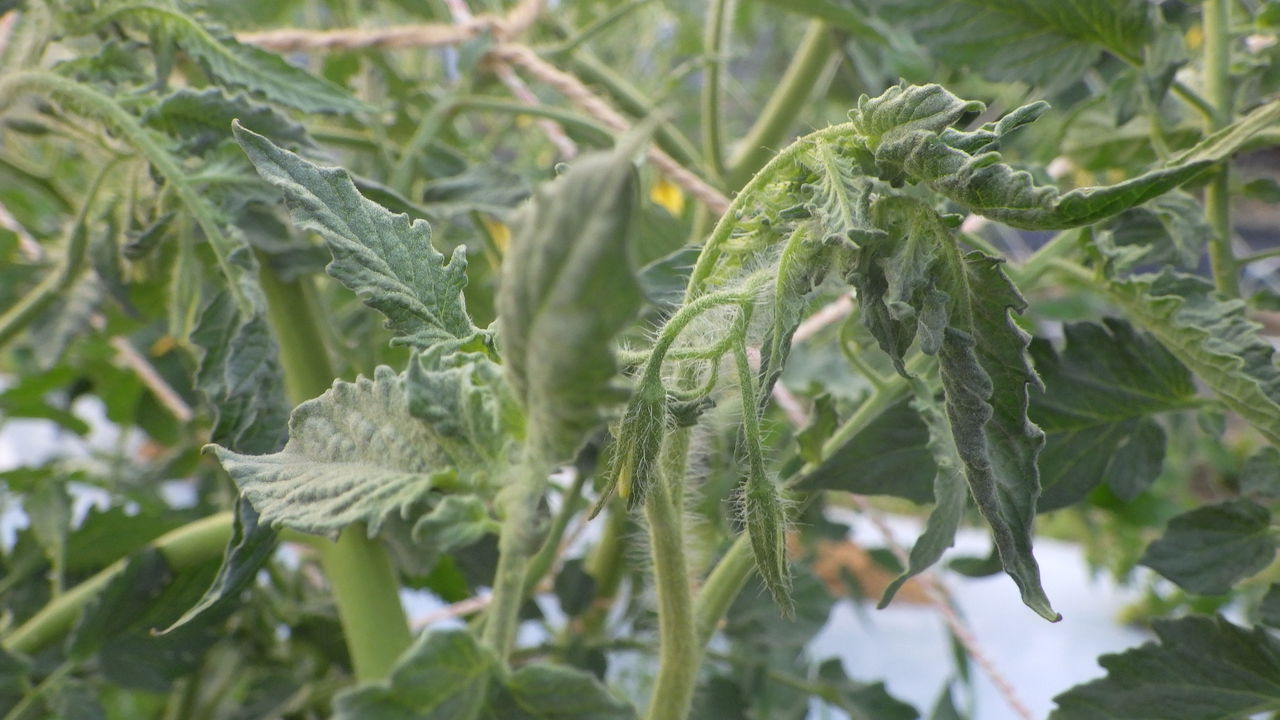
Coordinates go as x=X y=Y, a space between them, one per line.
x=985 y=376
x=1039 y=41
x=541 y=691
x=1209 y=549
x=388 y=261
x=445 y=675
x=232 y=63
x=354 y=454
x=1212 y=337
x=250 y=547
x=1202 y=668
x=949 y=492
x=567 y=289
x=201 y=119
x=1100 y=390
x=905 y=131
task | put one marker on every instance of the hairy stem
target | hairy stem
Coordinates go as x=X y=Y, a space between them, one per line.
x=771 y=125
x=360 y=573
x=550 y=549
x=679 y=652
x=516 y=542
x=1217 y=196
x=182 y=548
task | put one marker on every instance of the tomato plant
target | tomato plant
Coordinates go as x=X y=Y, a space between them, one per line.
x=583 y=322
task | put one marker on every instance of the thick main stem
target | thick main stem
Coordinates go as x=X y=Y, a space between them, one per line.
x=679 y=651
x=360 y=573
x=1217 y=195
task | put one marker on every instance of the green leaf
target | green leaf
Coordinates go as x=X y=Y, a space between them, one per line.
x=1212 y=337
x=1269 y=608
x=1260 y=475
x=48 y=508
x=388 y=261
x=1100 y=391
x=1208 y=550
x=201 y=119
x=234 y=64
x=1168 y=230
x=250 y=547
x=889 y=457
x=1041 y=41
x=837 y=14
x=445 y=675
x=355 y=454
x=541 y=691
x=240 y=377
x=1202 y=669
x=861 y=701
x=985 y=373
x=14 y=683
x=456 y=522
x=464 y=400
x=906 y=133
x=567 y=290
x=949 y=491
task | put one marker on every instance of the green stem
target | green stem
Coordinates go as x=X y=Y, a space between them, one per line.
x=360 y=573
x=541 y=562
x=606 y=564
x=56 y=283
x=182 y=548
x=519 y=535
x=29 y=699
x=771 y=126
x=1217 y=195
x=1264 y=255
x=599 y=133
x=722 y=586
x=1042 y=259
x=679 y=651
x=715 y=44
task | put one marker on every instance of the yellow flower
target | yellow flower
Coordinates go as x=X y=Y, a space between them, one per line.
x=668 y=195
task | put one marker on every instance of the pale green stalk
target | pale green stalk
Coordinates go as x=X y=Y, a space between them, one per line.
x=360 y=573
x=1217 y=195
x=715 y=45
x=517 y=539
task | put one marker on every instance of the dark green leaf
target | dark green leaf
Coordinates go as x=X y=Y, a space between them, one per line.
x=862 y=701
x=888 y=457
x=1210 y=549
x=201 y=119
x=1201 y=669
x=1100 y=390
x=355 y=454
x=1269 y=608
x=1041 y=41
x=250 y=547
x=567 y=289
x=388 y=261
x=1260 y=475
x=1168 y=230
x=949 y=491
x=541 y=691
x=445 y=675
